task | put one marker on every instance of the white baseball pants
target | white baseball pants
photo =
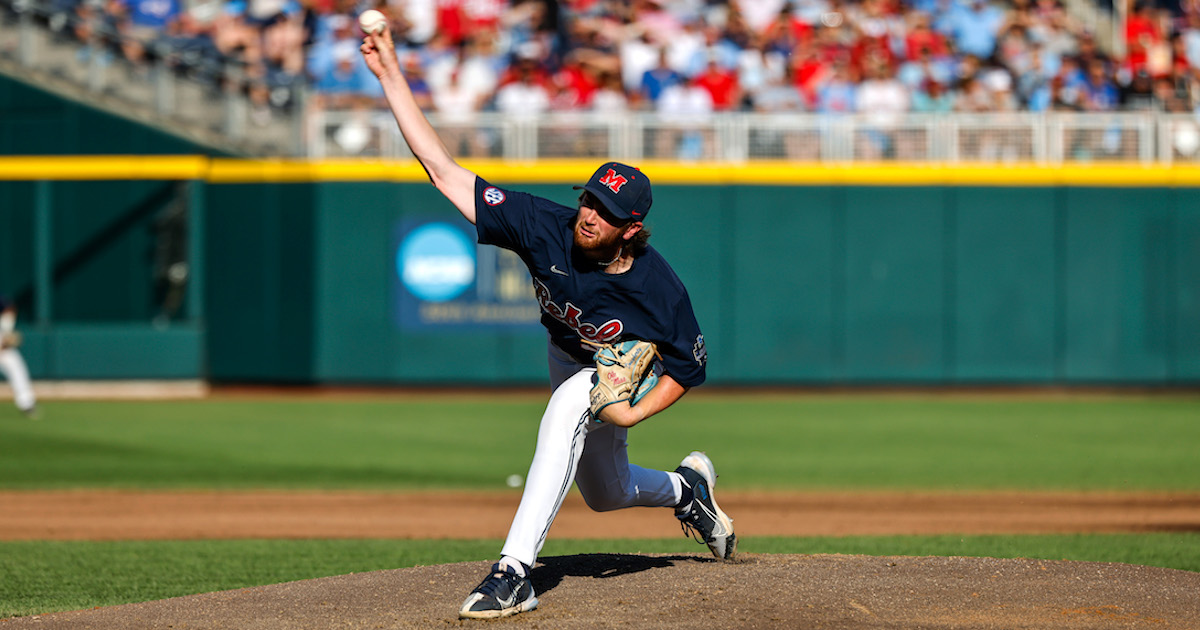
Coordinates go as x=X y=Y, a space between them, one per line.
x=571 y=447
x=12 y=364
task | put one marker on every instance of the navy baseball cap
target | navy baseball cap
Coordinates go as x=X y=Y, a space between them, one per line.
x=624 y=190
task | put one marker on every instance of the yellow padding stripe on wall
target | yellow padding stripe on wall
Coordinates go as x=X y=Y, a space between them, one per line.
x=229 y=171
x=100 y=167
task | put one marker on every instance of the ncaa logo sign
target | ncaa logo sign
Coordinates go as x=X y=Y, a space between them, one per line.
x=436 y=262
x=493 y=196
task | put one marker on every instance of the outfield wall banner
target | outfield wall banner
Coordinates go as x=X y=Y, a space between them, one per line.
x=443 y=279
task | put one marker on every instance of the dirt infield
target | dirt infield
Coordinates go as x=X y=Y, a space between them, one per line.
x=645 y=591
x=125 y=515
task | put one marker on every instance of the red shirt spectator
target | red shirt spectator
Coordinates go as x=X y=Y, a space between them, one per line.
x=450 y=20
x=809 y=72
x=722 y=85
x=574 y=87
x=1141 y=32
x=920 y=36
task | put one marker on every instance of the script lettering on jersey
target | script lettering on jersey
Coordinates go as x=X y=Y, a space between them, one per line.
x=613 y=181
x=571 y=316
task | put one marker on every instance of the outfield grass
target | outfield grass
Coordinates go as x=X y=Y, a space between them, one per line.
x=874 y=442
x=870 y=442
x=40 y=577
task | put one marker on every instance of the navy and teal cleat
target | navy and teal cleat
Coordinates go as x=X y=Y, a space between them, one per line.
x=702 y=518
x=500 y=594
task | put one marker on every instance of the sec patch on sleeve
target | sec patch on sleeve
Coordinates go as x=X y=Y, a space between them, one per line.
x=493 y=196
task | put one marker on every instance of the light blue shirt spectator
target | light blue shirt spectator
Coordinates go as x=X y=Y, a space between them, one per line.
x=837 y=96
x=347 y=74
x=974 y=28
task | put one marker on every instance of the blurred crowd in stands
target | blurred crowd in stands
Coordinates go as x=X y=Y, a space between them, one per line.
x=681 y=58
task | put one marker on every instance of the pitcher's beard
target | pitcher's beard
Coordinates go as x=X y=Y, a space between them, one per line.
x=599 y=249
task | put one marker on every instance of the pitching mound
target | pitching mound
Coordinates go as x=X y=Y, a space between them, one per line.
x=694 y=591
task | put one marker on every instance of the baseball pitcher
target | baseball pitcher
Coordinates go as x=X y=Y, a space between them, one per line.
x=623 y=345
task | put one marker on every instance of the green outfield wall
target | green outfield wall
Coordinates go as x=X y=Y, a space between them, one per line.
x=338 y=272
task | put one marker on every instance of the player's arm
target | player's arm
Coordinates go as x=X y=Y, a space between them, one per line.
x=662 y=396
x=451 y=179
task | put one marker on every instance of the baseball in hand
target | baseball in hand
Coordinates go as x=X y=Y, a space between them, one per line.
x=372 y=21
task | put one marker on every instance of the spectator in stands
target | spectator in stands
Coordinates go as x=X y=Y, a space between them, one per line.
x=809 y=71
x=1056 y=32
x=932 y=97
x=1171 y=96
x=789 y=30
x=838 y=94
x=526 y=97
x=1098 y=90
x=97 y=26
x=1143 y=36
x=609 y=97
x=1138 y=94
x=735 y=49
x=415 y=74
x=721 y=84
x=884 y=100
x=481 y=64
x=574 y=85
x=974 y=29
x=285 y=37
x=457 y=108
x=237 y=40
x=755 y=68
x=347 y=84
x=921 y=41
x=687 y=107
x=1190 y=36
x=972 y=96
x=1087 y=52
x=146 y=21
x=688 y=50
x=1033 y=85
x=657 y=79
x=779 y=95
x=882 y=96
x=914 y=73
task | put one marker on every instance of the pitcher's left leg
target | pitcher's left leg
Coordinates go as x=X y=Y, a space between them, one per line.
x=608 y=481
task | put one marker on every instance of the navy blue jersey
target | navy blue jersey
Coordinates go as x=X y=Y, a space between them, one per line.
x=579 y=300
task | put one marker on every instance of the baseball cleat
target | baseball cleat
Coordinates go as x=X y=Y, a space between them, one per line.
x=703 y=519
x=500 y=594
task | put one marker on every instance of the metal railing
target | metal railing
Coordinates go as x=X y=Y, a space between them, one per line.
x=1050 y=138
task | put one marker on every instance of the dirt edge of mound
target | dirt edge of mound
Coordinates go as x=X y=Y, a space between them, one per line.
x=658 y=592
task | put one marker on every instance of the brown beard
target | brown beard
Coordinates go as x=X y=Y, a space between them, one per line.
x=600 y=250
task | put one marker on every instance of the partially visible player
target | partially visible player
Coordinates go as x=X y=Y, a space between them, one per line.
x=596 y=279
x=12 y=364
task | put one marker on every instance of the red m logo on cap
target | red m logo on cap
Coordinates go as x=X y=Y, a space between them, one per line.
x=613 y=181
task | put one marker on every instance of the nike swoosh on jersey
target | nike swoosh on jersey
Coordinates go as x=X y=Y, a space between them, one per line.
x=555 y=269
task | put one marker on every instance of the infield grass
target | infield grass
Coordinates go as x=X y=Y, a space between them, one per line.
x=772 y=442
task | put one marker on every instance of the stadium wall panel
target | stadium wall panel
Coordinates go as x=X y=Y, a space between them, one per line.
x=950 y=276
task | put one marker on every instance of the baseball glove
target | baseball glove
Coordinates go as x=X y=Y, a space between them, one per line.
x=624 y=373
x=10 y=340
